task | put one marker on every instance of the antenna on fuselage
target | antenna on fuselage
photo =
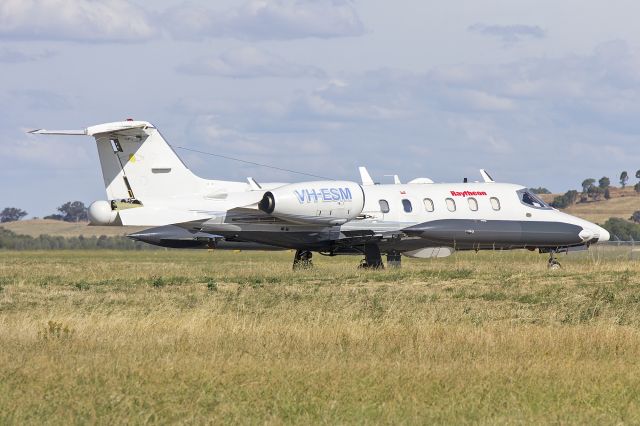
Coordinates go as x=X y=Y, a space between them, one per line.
x=255 y=186
x=396 y=179
x=365 y=177
x=486 y=176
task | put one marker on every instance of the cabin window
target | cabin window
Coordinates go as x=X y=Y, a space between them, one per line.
x=428 y=204
x=384 y=206
x=473 y=204
x=406 y=205
x=451 y=204
x=495 y=203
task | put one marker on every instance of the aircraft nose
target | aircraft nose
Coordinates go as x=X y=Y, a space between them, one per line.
x=603 y=235
x=595 y=233
x=586 y=235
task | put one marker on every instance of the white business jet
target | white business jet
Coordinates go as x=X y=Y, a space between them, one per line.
x=148 y=185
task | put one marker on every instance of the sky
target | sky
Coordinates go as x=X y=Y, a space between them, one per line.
x=538 y=92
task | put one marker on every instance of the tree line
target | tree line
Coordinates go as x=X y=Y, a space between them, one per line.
x=591 y=191
x=11 y=241
x=71 y=211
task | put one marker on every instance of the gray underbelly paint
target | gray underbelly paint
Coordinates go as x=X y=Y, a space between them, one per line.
x=498 y=232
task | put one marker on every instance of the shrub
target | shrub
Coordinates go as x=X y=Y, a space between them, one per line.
x=540 y=190
x=622 y=229
x=564 y=201
x=12 y=241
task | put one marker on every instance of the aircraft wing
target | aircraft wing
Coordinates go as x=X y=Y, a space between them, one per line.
x=252 y=225
x=248 y=215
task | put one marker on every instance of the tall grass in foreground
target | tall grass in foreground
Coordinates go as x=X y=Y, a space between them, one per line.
x=195 y=337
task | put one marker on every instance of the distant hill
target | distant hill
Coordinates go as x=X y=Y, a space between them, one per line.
x=36 y=227
x=623 y=203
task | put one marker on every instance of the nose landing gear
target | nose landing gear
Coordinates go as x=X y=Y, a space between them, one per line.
x=553 y=263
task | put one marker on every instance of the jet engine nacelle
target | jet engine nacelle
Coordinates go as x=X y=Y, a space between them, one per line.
x=100 y=213
x=319 y=202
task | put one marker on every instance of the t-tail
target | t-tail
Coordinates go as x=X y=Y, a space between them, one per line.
x=140 y=169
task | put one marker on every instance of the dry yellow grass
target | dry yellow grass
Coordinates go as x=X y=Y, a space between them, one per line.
x=194 y=337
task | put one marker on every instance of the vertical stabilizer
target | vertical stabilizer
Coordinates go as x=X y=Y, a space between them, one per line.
x=137 y=163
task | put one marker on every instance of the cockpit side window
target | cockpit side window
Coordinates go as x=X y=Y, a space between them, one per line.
x=532 y=200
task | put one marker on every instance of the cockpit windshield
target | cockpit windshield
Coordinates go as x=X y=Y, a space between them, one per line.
x=532 y=200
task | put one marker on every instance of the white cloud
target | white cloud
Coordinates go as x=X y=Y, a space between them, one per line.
x=483 y=134
x=509 y=33
x=538 y=95
x=250 y=62
x=36 y=99
x=211 y=134
x=29 y=151
x=266 y=20
x=476 y=100
x=547 y=112
x=12 y=56
x=74 y=20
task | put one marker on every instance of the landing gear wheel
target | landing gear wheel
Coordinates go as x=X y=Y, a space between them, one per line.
x=394 y=259
x=302 y=260
x=553 y=262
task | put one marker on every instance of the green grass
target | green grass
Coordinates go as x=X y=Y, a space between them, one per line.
x=195 y=337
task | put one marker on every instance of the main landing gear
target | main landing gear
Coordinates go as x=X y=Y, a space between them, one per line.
x=372 y=257
x=394 y=259
x=302 y=260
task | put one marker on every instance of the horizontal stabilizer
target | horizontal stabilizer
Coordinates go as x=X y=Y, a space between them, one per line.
x=59 y=132
x=118 y=128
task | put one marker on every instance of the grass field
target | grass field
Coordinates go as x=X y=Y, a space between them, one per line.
x=196 y=337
